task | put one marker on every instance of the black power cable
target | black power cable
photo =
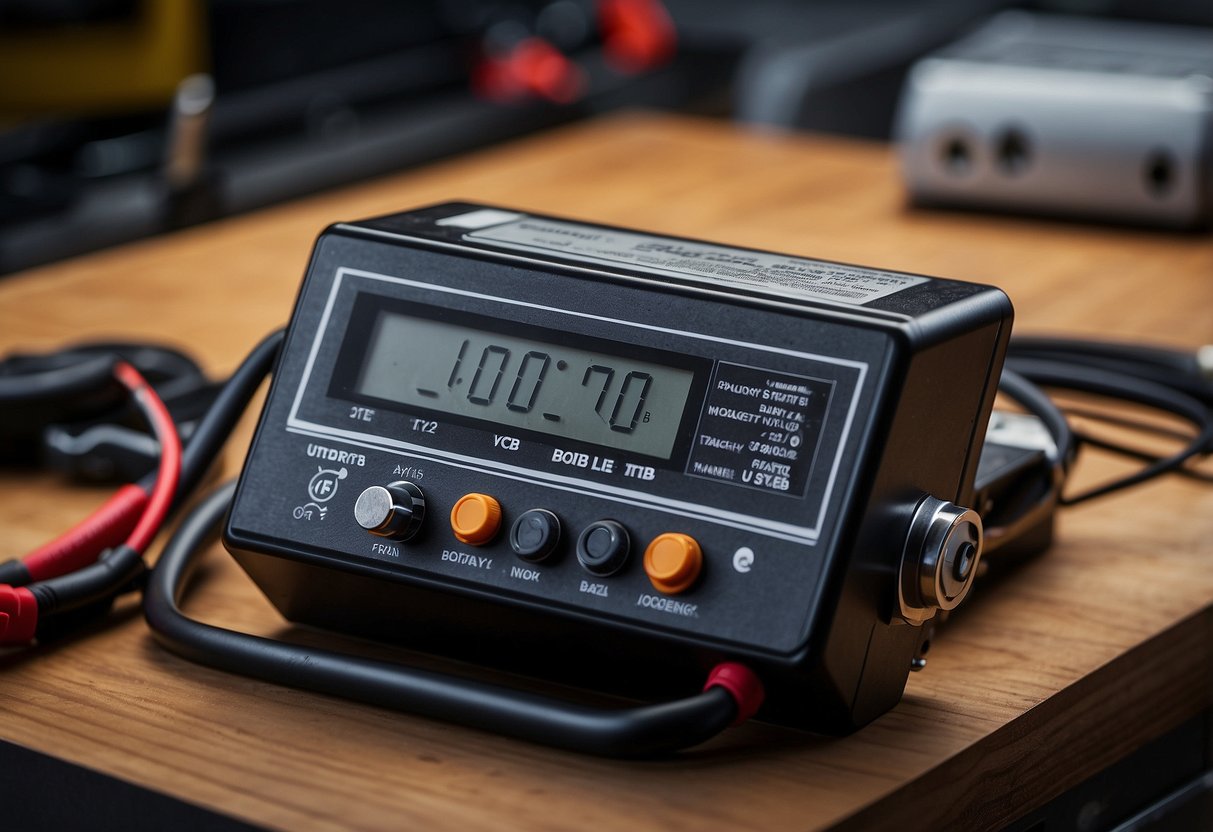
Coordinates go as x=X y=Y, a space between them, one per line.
x=76 y=380
x=1060 y=370
x=642 y=731
x=216 y=426
x=1034 y=400
x=63 y=410
x=1185 y=371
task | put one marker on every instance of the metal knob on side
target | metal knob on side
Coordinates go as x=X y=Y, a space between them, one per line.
x=940 y=559
x=393 y=511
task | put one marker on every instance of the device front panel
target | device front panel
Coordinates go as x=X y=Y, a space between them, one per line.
x=665 y=461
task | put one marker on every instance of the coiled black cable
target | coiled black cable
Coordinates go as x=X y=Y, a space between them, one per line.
x=1034 y=400
x=1156 y=377
x=1174 y=368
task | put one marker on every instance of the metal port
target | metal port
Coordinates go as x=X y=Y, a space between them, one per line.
x=957 y=156
x=1013 y=151
x=942 y=552
x=1159 y=173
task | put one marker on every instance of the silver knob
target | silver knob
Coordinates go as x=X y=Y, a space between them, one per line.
x=394 y=511
x=940 y=559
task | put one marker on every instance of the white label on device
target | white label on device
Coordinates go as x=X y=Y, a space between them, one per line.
x=479 y=218
x=775 y=273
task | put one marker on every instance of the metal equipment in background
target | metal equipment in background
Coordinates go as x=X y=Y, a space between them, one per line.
x=1068 y=117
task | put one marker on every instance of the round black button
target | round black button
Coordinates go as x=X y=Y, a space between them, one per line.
x=603 y=547
x=535 y=534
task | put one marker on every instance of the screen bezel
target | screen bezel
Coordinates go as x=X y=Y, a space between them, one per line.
x=356 y=343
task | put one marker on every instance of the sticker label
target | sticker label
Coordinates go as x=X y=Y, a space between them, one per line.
x=760 y=429
x=776 y=274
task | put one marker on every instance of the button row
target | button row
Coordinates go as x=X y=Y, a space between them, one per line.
x=672 y=560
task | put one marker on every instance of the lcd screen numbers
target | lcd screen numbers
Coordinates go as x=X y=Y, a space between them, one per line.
x=584 y=395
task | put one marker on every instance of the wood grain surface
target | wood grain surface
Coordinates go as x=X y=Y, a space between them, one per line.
x=1050 y=675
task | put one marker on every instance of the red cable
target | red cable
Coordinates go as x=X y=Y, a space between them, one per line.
x=165 y=429
x=104 y=528
x=78 y=547
x=109 y=525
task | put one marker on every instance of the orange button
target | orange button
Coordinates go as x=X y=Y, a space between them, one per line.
x=672 y=562
x=476 y=518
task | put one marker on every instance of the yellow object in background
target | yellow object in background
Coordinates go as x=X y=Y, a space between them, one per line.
x=113 y=66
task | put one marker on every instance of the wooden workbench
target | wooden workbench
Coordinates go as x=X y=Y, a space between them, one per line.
x=1074 y=662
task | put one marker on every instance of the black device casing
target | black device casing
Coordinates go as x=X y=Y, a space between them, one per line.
x=817 y=620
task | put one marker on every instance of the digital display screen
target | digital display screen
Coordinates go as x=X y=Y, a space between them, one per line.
x=520 y=382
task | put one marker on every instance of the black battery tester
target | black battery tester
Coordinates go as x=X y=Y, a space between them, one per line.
x=719 y=481
x=616 y=460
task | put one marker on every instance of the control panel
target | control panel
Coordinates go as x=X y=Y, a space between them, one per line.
x=572 y=451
